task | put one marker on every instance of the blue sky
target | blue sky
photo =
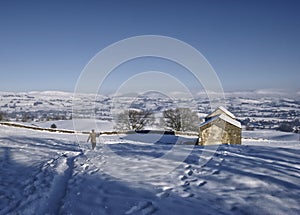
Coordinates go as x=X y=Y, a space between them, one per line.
x=44 y=45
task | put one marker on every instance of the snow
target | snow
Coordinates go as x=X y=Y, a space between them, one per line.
x=231 y=120
x=226 y=112
x=225 y=118
x=54 y=173
x=81 y=124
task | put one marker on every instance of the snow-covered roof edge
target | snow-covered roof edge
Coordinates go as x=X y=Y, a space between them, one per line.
x=222 y=109
x=226 y=111
x=231 y=120
x=225 y=118
x=210 y=120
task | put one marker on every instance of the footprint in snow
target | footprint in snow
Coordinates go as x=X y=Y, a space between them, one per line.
x=84 y=166
x=185 y=184
x=50 y=161
x=189 y=172
x=187 y=166
x=93 y=171
x=201 y=183
x=144 y=207
x=165 y=193
x=185 y=194
x=64 y=155
x=183 y=177
x=191 y=180
x=216 y=172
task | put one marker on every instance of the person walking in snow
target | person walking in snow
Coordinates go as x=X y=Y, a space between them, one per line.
x=92 y=138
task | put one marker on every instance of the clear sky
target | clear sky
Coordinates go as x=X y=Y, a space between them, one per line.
x=44 y=45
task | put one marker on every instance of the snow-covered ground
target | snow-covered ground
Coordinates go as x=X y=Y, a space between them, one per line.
x=80 y=124
x=53 y=173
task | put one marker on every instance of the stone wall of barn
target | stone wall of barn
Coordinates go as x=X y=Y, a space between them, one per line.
x=219 y=132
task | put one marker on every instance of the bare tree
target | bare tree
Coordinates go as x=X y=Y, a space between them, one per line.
x=189 y=120
x=134 y=120
x=172 y=119
x=181 y=119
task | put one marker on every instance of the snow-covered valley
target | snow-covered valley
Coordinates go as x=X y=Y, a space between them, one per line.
x=46 y=172
x=256 y=109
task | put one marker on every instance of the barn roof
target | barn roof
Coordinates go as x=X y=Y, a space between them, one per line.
x=224 y=110
x=224 y=117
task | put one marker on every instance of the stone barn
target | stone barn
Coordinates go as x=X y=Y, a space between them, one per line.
x=220 y=127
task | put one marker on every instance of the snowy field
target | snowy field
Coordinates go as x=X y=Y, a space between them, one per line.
x=81 y=124
x=54 y=173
